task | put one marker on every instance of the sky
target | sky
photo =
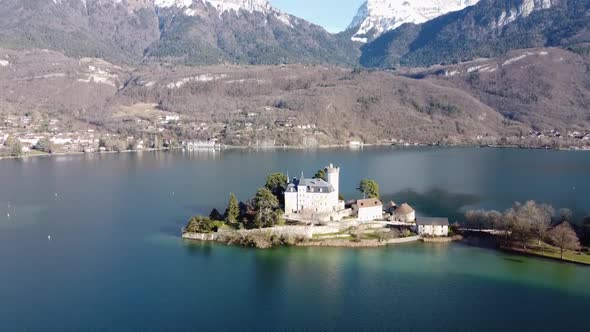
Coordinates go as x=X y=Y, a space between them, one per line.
x=333 y=15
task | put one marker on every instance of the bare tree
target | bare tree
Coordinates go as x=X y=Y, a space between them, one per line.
x=564 y=215
x=494 y=219
x=564 y=237
x=529 y=220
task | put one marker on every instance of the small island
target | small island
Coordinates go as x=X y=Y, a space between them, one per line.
x=312 y=212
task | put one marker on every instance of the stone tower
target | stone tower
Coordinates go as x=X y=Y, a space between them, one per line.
x=333 y=177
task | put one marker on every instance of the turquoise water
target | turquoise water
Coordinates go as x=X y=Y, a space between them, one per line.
x=115 y=262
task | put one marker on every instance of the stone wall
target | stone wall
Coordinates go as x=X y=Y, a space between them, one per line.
x=306 y=232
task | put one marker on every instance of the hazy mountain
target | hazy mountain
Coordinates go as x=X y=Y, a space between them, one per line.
x=375 y=17
x=490 y=28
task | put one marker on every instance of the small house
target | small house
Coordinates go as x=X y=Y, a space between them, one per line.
x=369 y=209
x=432 y=226
x=404 y=213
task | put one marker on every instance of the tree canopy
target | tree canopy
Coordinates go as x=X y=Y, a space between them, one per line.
x=44 y=145
x=232 y=213
x=277 y=183
x=320 y=174
x=215 y=215
x=200 y=224
x=369 y=188
x=267 y=208
x=14 y=145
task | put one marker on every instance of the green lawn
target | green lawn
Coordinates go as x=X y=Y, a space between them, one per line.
x=552 y=252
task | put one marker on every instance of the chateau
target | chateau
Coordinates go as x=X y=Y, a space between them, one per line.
x=314 y=196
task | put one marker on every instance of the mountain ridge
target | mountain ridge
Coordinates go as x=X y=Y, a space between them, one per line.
x=490 y=28
x=207 y=31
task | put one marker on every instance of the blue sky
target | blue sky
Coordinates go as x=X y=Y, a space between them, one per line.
x=333 y=15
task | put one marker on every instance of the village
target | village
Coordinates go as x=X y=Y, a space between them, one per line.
x=146 y=127
x=33 y=134
x=312 y=212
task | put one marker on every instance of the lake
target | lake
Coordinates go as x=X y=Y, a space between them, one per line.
x=114 y=259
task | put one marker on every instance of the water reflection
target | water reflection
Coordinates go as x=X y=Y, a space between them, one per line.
x=435 y=202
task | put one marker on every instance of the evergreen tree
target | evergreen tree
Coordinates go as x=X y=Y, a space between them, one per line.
x=277 y=183
x=267 y=209
x=44 y=145
x=320 y=174
x=215 y=215
x=232 y=213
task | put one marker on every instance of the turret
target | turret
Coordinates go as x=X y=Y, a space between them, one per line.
x=333 y=177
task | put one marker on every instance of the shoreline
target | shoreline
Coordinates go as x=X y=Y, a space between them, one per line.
x=59 y=154
x=338 y=242
x=527 y=253
x=490 y=243
x=294 y=148
x=234 y=238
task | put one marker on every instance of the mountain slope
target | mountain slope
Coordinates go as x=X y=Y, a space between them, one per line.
x=375 y=17
x=112 y=29
x=490 y=28
x=547 y=88
x=202 y=33
x=491 y=101
x=182 y=31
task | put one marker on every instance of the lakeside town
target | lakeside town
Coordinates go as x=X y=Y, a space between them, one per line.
x=311 y=211
x=35 y=134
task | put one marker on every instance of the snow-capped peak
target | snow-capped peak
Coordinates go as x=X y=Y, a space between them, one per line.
x=375 y=17
x=192 y=7
x=221 y=5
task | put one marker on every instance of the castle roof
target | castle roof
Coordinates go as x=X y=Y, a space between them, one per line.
x=313 y=185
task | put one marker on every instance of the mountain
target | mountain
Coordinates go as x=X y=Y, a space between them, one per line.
x=243 y=31
x=487 y=29
x=112 y=29
x=181 y=31
x=375 y=17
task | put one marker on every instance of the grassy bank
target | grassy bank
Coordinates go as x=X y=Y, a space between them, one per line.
x=553 y=253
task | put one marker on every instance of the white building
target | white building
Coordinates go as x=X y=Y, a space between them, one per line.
x=314 y=195
x=369 y=209
x=432 y=226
